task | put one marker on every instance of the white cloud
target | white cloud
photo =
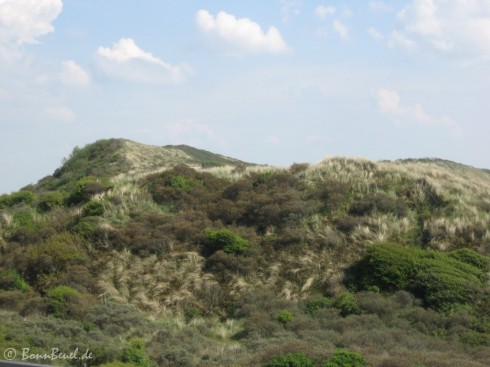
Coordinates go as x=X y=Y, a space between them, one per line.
x=322 y=11
x=242 y=34
x=460 y=26
x=389 y=103
x=61 y=113
x=23 y=22
x=341 y=29
x=126 y=60
x=73 y=74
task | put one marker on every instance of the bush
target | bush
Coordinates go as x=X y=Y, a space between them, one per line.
x=284 y=317
x=227 y=241
x=26 y=197
x=87 y=187
x=93 y=208
x=344 y=358
x=10 y=280
x=135 y=354
x=439 y=279
x=52 y=200
x=318 y=304
x=61 y=301
x=290 y=360
x=346 y=304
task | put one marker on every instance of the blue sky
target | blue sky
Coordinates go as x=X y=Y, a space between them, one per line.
x=275 y=82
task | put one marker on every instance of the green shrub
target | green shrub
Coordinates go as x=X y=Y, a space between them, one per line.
x=290 y=360
x=54 y=255
x=346 y=304
x=51 y=200
x=135 y=353
x=61 y=300
x=318 y=304
x=471 y=257
x=440 y=279
x=345 y=358
x=87 y=187
x=26 y=197
x=93 y=208
x=227 y=241
x=284 y=317
x=10 y=280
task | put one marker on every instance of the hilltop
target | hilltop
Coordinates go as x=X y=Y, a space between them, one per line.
x=178 y=256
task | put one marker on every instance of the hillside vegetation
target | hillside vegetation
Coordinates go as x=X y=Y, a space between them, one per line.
x=174 y=256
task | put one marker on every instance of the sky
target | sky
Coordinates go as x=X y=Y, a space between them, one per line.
x=272 y=82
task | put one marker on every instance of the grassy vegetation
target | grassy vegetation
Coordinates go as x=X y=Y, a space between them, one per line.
x=148 y=261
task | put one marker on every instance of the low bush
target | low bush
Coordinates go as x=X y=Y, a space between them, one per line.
x=290 y=360
x=345 y=358
x=135 y=354
x=62 y=301
x=93 y=208
x=10 y=280
x=227 y=241
x=284 y=317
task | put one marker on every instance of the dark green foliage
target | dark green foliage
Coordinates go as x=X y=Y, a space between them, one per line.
x=345 y=358
x=61 y=301
x=290 y=360
x=346 y=304
x=471 y=257
x=439 y=279
x=317 y=304
x=87 y=187
x=98 y=159
x=93 y=208
x=10 y=280
x=25 y=197
x=227 y=241
x=135 y=354
x=52 y=200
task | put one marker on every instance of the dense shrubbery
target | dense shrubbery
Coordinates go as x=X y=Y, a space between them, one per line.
x=25 y=197
x=443 y=281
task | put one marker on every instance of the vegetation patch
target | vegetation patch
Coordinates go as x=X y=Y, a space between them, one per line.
x=442 y=280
